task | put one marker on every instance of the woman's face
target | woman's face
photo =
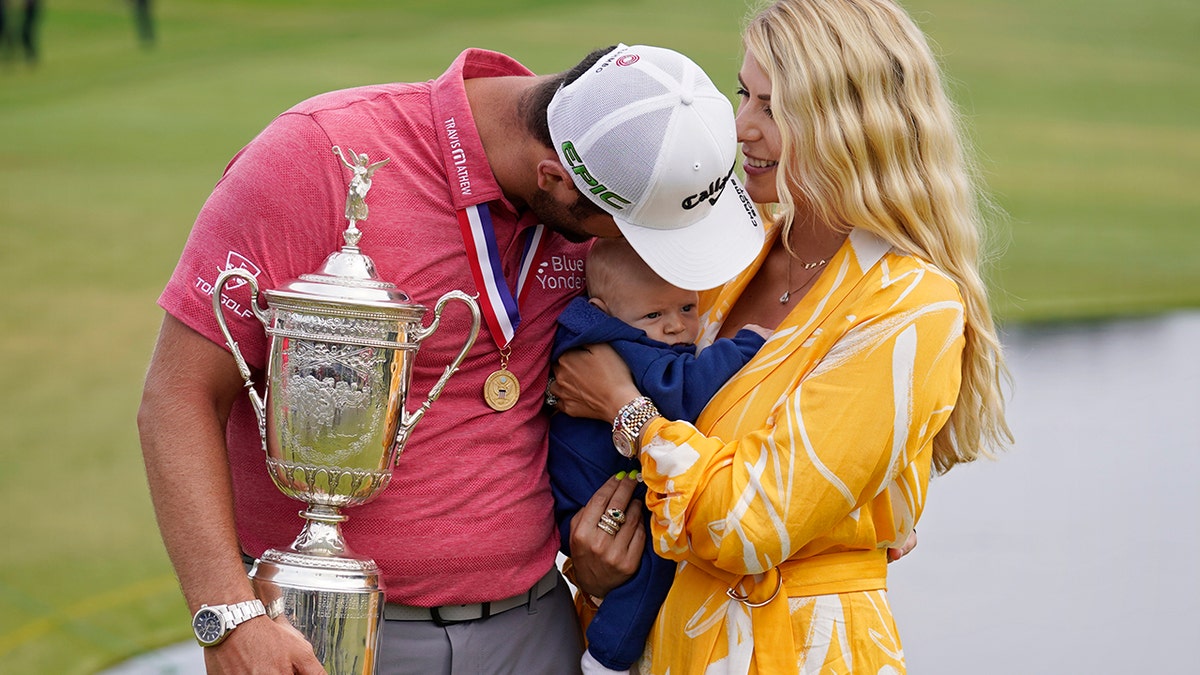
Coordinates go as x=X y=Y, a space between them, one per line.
x=757 y=132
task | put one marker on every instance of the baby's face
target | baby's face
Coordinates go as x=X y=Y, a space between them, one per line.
x=667 y=314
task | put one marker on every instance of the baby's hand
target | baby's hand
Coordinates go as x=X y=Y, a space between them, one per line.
x=764 y=333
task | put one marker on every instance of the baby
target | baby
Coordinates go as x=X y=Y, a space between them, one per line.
x=653 y=326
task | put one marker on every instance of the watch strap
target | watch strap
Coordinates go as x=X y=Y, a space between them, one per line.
x=632 y=417
x=244 y=611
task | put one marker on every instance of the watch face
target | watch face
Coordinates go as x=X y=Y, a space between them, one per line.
x=208 y=626
x=621 y=441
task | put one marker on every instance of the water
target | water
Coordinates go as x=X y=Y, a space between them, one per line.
x=1076 y=551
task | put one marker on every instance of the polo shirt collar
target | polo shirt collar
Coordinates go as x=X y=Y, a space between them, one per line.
x=468 y=173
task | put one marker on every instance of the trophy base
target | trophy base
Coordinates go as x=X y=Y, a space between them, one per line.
x=335 y=602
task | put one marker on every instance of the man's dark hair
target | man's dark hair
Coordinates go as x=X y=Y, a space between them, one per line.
x=538 y=100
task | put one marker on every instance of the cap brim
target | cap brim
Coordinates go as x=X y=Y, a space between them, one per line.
x=706 y=253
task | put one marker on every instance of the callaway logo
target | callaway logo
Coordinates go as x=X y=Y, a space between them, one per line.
x=712 y=194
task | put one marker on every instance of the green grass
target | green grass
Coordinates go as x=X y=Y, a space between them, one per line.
x=1083 y=114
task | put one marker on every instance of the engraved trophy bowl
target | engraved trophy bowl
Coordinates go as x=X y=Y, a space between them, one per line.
x=333 y=419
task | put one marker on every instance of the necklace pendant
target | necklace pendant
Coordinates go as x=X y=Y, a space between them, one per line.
x=783 y=299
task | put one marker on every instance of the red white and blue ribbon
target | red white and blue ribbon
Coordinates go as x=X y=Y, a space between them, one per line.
x=500 y=306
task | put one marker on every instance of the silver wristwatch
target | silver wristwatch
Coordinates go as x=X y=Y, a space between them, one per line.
x=627 y=425
x=214 y=623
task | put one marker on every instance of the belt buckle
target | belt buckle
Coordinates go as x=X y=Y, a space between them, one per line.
x=745 y=599
x=442 y=623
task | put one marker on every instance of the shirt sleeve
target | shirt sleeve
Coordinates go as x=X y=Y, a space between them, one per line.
x=275 y=213
x=860 y=424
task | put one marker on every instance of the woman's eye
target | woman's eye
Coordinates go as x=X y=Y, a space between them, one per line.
x=742 y=93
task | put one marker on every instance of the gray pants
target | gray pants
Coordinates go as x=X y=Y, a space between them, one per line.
x=541 y=638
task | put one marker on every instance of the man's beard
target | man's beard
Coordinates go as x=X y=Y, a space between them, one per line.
x=567 y=221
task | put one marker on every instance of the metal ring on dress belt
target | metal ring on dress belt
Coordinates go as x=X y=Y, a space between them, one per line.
x=745 y=599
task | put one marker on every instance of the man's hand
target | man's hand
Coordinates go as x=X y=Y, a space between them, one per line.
x=604 y=561
x=261 y=645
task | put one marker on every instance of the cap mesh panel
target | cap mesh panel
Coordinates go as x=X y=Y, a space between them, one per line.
x=631 y=149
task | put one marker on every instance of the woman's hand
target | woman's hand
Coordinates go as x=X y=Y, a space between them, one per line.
x=604 y=561
x=592 y=382
x=909 y=544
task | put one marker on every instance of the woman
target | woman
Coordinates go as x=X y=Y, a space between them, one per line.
x=781 y=500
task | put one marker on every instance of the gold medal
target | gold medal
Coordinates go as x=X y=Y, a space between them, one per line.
x=501 y=390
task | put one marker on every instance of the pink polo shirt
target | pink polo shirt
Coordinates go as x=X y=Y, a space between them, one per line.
x=468 y=514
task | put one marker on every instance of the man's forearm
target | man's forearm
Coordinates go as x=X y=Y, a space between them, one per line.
x=182 y=426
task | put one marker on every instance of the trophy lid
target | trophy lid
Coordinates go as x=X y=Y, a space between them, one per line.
x=347 y=276
x=347 y=279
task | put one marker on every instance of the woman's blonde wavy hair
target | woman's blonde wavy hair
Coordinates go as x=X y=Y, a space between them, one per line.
x=870 y=139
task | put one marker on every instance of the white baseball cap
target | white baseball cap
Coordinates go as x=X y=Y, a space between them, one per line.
x=651 y=140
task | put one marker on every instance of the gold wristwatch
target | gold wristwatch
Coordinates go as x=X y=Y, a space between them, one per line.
x=627 y=425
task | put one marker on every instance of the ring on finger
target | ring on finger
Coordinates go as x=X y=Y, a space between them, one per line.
x=617 y=515
x=608 y=525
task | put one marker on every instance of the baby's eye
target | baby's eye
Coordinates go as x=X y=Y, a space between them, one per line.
x=653 y=315
x=688 y=309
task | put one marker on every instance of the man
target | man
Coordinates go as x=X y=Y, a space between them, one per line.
x=633 y=142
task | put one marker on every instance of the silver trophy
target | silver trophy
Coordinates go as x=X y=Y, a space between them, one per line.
x=333 y=420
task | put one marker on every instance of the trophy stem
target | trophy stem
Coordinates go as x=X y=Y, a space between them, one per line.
x=322 y=533
x=333 y=597
x=351 y=236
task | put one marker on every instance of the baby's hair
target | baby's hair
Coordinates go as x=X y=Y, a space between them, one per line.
x=611 y=264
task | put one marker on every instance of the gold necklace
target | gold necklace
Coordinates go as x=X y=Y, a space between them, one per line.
x=787 y=295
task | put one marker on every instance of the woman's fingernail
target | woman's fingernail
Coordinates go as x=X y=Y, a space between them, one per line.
x=636 y=475
x=621 y=476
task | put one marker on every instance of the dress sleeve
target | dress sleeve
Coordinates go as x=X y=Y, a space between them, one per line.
x=858 y=425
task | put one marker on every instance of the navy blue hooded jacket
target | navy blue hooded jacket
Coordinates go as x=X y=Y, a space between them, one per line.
x=582 y=456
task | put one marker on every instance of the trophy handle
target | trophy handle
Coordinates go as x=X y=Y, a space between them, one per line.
x=408 y=421
x=261 y=315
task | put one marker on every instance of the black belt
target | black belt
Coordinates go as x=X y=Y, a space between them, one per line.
x=446 y=615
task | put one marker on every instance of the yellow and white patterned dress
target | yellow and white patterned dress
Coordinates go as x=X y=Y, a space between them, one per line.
x=802 y=471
